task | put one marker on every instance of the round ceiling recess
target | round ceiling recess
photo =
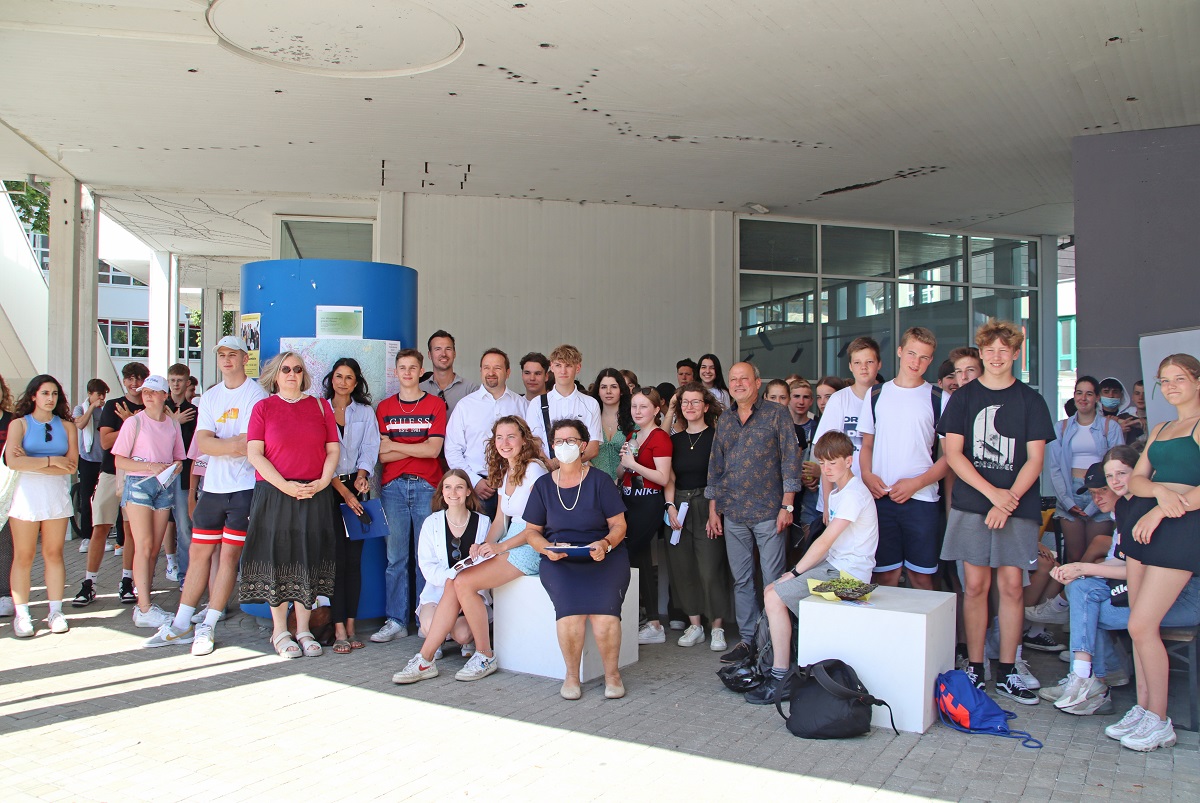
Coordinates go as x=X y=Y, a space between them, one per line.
x=350 y=38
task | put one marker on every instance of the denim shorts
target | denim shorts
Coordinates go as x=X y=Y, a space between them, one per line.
x=148 y=492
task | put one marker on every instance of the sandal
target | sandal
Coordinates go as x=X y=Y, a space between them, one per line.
x=285 y=646
x=308 y=642
x=342 y=647
x=355 y=644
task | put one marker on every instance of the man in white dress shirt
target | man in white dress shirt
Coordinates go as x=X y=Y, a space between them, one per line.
x=470 y=425
x=565 y=400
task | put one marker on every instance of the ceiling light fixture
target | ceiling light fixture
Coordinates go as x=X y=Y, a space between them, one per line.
x=757 y=209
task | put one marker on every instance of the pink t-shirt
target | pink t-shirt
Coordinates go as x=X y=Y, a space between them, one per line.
x=199 y=461
x=157 y=441
x=293 y=435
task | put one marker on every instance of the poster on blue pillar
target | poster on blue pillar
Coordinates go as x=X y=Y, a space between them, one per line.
x=339 y=322
x=250 y=333
x=376 y=358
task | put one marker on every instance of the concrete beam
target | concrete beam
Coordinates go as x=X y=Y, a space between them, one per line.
x=73 y=279
x=212 y=306
x=164 y=311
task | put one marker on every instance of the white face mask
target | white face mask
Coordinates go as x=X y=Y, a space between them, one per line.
x=566 y=452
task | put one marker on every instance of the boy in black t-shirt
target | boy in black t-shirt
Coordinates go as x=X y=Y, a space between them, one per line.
x=996 y=430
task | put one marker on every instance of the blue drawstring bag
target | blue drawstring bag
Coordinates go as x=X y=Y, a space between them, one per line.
x=965 y=708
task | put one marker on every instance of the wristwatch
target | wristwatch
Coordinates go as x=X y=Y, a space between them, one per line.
x=788 y=508
x=794 y=572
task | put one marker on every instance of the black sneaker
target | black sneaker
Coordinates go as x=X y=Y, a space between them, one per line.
x=86 y=595
x=739 y=653
x=1015 y=689
x=127 y=595
x=976 y=681
x=1043 y=642
x=764 y=694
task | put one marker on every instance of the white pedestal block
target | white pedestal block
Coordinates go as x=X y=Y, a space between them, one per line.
x=526 y=637
x=898 y=647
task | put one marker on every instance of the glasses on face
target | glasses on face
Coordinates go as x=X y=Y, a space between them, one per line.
x=564 y=441
x=291 y=369
x=48 y=433
x=691 y=402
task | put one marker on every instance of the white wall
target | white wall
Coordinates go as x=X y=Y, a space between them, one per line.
x=632 y=287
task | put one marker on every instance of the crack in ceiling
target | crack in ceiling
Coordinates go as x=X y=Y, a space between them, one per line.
x=197 y=219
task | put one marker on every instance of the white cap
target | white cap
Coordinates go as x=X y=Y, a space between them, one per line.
x=154 y=382
x=231 y=342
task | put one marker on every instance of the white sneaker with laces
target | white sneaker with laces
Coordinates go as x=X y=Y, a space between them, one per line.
x=119 y=551
x=1151 y=734
x=437 y=654
x=155 y=617
x=57 y=622
x=199 y=616
x=1052 y=694
x=108 y=547
x=203 y=642
x=1096 y=704
x=172 y=574
x=83 y=547
x=1078 y=690
x=1031 y=682
x=652 y=634
x=716 y=640
x=480 y=666
x=1127 y=724
x=468 y=649
x=416 y=669
x=1013 y=687
x=23 y=627
x=391 y=630
x=692 y=636
x=1048 y=613
x=166 y=637
x=677 y=624
x=6 y=607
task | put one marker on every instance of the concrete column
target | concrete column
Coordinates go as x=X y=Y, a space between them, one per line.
x=1047 y=346
x=212 y=305
x=164 y=311
x=73 y=275
x=389 y=228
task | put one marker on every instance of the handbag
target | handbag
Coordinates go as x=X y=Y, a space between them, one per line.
x=827 y=701
x=372 y=523
x=8 y=485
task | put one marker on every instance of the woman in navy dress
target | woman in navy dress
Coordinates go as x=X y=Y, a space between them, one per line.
x=579 y=506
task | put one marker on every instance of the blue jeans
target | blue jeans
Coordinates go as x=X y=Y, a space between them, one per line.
x=1091 y=612
x=406 y=504
x=183 y=529
x=740 y=540
x=148 y=492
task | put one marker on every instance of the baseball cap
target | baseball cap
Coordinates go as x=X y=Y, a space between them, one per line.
x=154 y=382
x=231 y=342
x=1094 y=479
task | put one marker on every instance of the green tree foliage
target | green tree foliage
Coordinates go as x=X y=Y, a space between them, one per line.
x=31 y=204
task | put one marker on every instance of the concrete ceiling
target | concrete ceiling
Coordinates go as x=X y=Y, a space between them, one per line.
x=948 y=115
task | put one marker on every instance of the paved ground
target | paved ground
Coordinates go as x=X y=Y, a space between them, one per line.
x=89 y=716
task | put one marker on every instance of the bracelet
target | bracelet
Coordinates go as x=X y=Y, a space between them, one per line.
x=671 y=504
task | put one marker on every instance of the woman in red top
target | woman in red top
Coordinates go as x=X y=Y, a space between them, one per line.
x=292 y=442
x=646 y=461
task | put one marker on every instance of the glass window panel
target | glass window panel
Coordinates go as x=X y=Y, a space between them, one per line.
x=931 y=257
x=119 y=333
x=1020 y=307
x=941 y=309
x=851 y=309
x=141 y=335
x=778 y=326
x=1002 y=261
x=325 y=239
x=851 y=251
x=776 y=246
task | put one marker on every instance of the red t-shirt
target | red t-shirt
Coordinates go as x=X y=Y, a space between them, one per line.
x=658 y=444
x=293 y=435
x=412 y=422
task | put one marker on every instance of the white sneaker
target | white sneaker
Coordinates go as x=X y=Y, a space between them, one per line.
x=199 y=615
x=172 y=574
x=156 y=617
x=1151 y=734
x=716 y=640
x=1097 y=704
x=391 y=630
x=108 y=547
x=1078 y=690
x=692 y=636
x=480 y=666
x=119 y=551
x=23 y=627
x=1116 y=678
x=1022 y=668
x=416 y=669
x=83 y=547
x=1127 y=724
x=652 y=634
x=6 y=607
x=203 y=641
x=57 y=622
x=437 y=654
x=1067 y=656
x=166 y=637
x=1048 y=613
x=468 y=649
x=677 y=624
x=1052 y=694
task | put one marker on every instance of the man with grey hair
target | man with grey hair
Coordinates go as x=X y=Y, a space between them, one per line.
x=753 y=478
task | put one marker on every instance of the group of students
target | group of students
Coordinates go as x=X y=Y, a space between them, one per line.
x=699 y=478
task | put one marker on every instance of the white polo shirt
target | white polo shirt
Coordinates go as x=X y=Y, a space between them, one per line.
x=470 y=428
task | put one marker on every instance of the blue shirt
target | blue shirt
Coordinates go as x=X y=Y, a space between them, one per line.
x=35 y=443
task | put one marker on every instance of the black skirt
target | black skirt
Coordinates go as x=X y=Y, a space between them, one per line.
x=290 y=548
x=581 y=586
x=1174 y=544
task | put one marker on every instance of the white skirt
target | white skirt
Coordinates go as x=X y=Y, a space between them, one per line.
x=41 y=497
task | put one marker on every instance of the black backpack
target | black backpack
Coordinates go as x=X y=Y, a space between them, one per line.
x=750 y=672
x=827 y=701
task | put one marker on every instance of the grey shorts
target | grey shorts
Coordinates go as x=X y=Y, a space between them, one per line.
x=794 y=589
x=969 y=539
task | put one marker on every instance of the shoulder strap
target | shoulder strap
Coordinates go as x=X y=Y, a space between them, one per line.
x=782 y=686
x=1107 y=421
x=137 y=430
x=821 y=675
x=935 y=398
x=546 y=415
x=875 y=391
x=1062 y=429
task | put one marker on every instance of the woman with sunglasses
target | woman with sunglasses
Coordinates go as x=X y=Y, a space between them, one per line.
x=358 y=437
x=292 y=442
x=44 y=453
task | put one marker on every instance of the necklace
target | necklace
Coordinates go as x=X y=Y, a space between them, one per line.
x=578 y=492
x=416 y=404
x=458 y=525
x=290 y=401
x=692 y=443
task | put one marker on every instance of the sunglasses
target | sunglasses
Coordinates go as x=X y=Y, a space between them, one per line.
x=48 y=434
x=288 y=369
x=456 y=549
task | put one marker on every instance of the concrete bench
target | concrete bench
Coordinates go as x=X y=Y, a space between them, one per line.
x=526 y=639
x=898 y=645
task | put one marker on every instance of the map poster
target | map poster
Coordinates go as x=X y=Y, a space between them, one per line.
x=376 y=358
x=340 y=322
x=249 y=332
